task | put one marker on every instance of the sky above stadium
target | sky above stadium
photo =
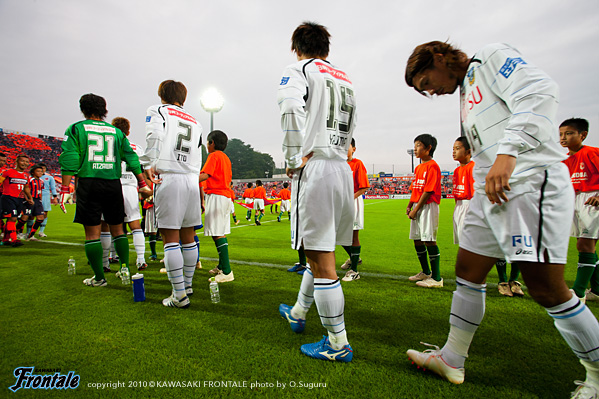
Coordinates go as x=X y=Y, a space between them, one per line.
x=53 y=51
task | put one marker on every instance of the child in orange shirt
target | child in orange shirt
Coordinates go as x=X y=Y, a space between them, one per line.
x=285 y=195
x=423 y=211
x=248 y=195
x=232 y=193
x=259 y=197
x=217 y=174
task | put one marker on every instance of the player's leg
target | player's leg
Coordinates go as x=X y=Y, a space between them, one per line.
x=515 y=285
x=300 y=266
x=423 y=259
x=106 y=241
x=587 y=259
x=190 y=251
x=467 y=311
x=174 y=263
x=139 y=243
x=354 y=258
x=93 y=252
x=38 y=222
x=575 y=322
x=222 y=247
x=503 y=287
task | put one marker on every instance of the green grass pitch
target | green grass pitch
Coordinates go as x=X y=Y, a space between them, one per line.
x=242 y=348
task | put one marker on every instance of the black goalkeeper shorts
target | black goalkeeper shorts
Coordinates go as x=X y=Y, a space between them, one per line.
x=97 y=197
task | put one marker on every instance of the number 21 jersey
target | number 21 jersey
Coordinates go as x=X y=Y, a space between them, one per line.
x=173 y=140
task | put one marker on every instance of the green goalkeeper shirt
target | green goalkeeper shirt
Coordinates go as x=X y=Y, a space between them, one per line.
x=95 y=149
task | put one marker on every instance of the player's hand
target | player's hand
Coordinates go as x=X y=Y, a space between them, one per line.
x=497 y=180
x=594 y=201
x=290 y=172
x=29 y=201
x=153 y=176
x=412 y=214
x=64 y=191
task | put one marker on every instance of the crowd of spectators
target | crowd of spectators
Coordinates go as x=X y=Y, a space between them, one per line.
x=400 y=185
x=39 y=149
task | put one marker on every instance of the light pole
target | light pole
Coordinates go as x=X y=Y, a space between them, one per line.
x=411 y=152
x=212 y=102
x=266 y=174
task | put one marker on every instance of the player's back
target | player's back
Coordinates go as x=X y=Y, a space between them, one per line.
x=127 y=177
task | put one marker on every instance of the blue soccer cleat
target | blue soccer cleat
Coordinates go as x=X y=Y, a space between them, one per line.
x=322 y=350
x=297 y=267
x=297 y=325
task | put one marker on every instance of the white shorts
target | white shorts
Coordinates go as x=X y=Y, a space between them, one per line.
x=249 y=200
x=325 y=206
x=258 y=204
x=426 y=224
x=527 y=228
x=150 y=222
x=177 y=201
x=359 y=213
x=131 y=198
x=285 y=205
x=459 y=213
x=232 y=207
x=217 y=222
x=586 y=217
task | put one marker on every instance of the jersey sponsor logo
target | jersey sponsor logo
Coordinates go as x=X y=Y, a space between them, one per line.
x=99 y=128
x=332 y=71
x=102 y=166
x=520 y=241
x=16 y=180
x=148 y=118
x=284 y=80
x=510 y=65
x=182 y=115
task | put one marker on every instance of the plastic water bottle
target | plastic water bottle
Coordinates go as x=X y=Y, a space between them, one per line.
x=125 y=275
x=72 y=269
x=214 y=294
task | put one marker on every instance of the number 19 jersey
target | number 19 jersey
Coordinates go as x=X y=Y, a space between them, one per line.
x=318 y=111
x=173 y=140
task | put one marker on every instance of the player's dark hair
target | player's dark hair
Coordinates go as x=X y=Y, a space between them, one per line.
x=464 y=142
x=258 y=182
x=582 y=125
x=219 y=139
x=428 y=141
x=422 y=58
x=311 y=40
x=34 y=167
x=122 y=124
x=22 y=156
x=2 y=155
x=92 y=105
x=172 y=92
x=250 y=185
x=285 y=185
x=43 y=165
x=353 y=142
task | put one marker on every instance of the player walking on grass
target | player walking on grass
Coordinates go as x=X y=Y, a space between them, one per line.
x=217 y=174
x=48 y=192
x=172 y=161
x=361 y=185
x=259 y=197
x=92 y=150
x=36 y=210
x=463 y=191
x=285 y=195
x=14 y=183
x=583 y=164
x=232 y=195
x=317 y=105
x=423 y=211
x=248 y=196
x=522 y=196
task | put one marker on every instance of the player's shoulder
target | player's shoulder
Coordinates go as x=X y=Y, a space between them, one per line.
x=491 y=49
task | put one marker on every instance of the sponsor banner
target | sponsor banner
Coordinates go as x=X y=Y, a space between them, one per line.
x=401 y=196
x=99 y=129
x=323 y=68
x=376 y=197
x=181 y=115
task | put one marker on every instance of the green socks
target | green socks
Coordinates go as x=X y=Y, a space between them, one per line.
x=121 y=246
x=501 y=266
x=93 y=251
x=586 y=268
x=222 y=246
x=153 y=244
x=355 y=257
x=421 y=252
x=302 y=256
x=260 y=217
x=515 y=273
x=435 y=258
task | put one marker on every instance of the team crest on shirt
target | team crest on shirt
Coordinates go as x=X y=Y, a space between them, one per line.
x=284 y=80
x=581 y=165
x=470 y=76
x=148 y=118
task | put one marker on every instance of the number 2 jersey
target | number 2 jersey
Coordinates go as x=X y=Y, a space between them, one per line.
x=509 y=106
x=173 y=140
x=318 y=111
x=95 y=149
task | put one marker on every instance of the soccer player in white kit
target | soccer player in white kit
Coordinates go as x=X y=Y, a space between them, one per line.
x=317 y=106
x=172 y=161
x=522 y=196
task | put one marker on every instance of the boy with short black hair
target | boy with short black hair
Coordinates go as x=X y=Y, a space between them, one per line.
x=259 y=197
x=36 y=185
x=423 y=211
x=583 y=164
x=217 y=174
x=248 y=195
x=285 y=195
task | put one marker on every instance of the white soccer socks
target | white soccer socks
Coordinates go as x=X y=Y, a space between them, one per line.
x=305 y=297
x=579 y=327
x=330 y=303
x=106 y=240
x=173 y=261
x=139 y=243
x=190 y=258
x=467 y=311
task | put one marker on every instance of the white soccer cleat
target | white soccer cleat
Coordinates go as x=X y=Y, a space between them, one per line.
x=504 y=289
x=591 y=296
x=346 y=265
x=199 y=265
x=432 y=360
x=91 y=282
x=215 y=271
x=224 y=278
x=516 y=288
x=163 y=270
x=173 y=302
x=419 y=276
x=583 y=299
x=42 y=235
x=430 y=283
x=586 y=390
x=351 y=276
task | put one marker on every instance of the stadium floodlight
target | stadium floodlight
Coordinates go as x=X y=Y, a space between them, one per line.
x=411 y=152
x=212 y=102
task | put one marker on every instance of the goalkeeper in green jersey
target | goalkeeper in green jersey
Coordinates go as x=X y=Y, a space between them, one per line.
x=92 y=150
